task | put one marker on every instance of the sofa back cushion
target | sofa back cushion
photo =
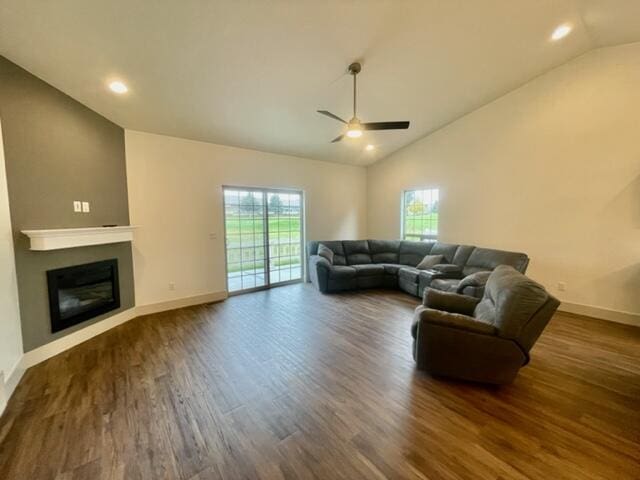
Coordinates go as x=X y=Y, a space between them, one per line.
x=510 y=301
x=488 y=259
x=447 y=250
x=334 y=245
x=357 y=252
x=412 y=253
x=462 y=254
x=384 y=251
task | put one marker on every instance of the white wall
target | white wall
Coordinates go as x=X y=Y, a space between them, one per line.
x=175 y=195
x=551 y=169
x=10 y=334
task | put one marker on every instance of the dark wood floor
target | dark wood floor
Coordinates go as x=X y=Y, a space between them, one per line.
x=293 y=384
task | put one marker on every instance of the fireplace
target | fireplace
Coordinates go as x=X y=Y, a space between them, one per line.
x=82 y=292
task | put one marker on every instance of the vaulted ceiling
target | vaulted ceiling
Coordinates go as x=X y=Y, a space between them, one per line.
x=253 y=73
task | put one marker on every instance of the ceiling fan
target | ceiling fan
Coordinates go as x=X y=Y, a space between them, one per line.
x=354 y=126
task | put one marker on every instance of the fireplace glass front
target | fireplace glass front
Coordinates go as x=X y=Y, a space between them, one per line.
x=82 y=292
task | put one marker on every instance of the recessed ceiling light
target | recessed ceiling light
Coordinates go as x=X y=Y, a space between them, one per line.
x=118 y=87
x=561 y=32
x=369 y=148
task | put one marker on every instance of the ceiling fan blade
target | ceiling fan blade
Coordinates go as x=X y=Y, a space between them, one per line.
x=385 y=126
x=337 y=139
x=330 y=115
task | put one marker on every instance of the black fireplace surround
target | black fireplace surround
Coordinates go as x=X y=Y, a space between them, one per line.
x=82 y=292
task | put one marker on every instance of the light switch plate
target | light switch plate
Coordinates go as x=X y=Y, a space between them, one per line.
x=77 y=206
x=85 y=207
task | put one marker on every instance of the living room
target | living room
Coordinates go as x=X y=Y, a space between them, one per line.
x=317 y=226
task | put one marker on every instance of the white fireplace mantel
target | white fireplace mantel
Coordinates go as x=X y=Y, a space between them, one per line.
x=55 y=239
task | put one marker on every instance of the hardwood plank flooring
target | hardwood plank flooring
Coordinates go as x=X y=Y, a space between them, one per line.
x=292 y=384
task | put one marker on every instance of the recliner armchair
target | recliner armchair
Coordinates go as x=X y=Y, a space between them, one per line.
x=483 y=340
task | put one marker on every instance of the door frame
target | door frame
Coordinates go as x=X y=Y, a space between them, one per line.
x=268 y=285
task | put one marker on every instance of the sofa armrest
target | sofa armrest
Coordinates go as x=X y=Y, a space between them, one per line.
x=449 y=302
x=477 y=279
x=318 y=261
x=319 y=268
x=425 y=315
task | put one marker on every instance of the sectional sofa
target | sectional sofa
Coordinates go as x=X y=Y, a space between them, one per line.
x=392 y=264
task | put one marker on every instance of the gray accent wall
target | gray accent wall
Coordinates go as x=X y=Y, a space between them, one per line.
x=57 y=151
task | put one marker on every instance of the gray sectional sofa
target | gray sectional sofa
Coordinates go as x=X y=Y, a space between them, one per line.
x=392 y=264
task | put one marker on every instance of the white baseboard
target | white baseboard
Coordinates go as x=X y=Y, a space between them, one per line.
x=180 y=303
x=617 y=316
x=49 y=350
x=9 y=384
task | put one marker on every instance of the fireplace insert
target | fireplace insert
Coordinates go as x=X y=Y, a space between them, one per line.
x=82 y=292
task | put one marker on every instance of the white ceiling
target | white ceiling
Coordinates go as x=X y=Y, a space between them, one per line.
x=253 y=73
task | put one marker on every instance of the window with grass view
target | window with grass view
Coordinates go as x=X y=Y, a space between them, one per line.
x=420 y=214
x=263 y=237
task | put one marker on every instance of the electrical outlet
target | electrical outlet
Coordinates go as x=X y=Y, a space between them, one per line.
x=172 y=286
x=562 y=286
x=85 y=207
x=77 y=206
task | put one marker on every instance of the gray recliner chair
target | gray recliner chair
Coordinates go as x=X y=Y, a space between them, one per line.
x=483 y=340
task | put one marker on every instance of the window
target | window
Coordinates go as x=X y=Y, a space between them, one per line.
x=420 y=214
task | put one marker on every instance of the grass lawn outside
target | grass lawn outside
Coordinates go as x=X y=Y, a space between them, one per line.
x=421 y=224
x=245 y=243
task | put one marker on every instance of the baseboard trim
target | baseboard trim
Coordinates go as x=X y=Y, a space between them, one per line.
x=180 y=303
x=13 y=378
x=51 y=349
x=616 y=316
x=56 y=347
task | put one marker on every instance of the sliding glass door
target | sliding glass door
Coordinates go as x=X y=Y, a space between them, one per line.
x=263 y=237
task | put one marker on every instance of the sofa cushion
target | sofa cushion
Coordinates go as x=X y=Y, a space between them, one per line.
x=488 y=259
x=445 y=284
x=384 y=251
x=462 y=254
x=357 y=252
x=447 y=250
x=409 y=274
x=369 y=269
x=411 y=253
x=325 y=252
x=339 y=271
x=429 y=261
x=391 y=268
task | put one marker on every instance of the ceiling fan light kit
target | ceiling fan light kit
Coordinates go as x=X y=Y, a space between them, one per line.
x=355 y=127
